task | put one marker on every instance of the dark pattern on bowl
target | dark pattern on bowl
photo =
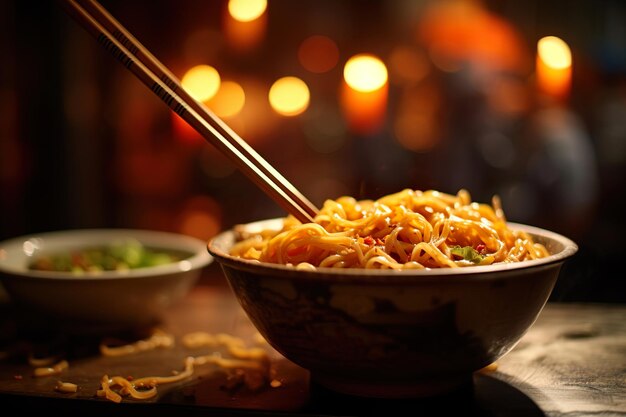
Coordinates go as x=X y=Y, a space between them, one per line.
x=391 y=333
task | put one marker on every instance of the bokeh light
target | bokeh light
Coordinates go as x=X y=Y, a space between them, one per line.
x=507 y=95
x=415 y=132
x=442 y=58
x=246 y=10
x=553 y=72
x=200 y=217
x=318 y=54
x=289 y=96
x=228 y=101
x=407 y=65
x=201 y=82
x=456 y=33
x=554 y=52
x=184 y=132
x=365 y=73
x=416 y=124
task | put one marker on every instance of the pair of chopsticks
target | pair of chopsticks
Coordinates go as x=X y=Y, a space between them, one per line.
x=137 y=59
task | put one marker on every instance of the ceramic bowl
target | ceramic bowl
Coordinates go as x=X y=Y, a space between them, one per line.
x=385 y=333
x=124 y=298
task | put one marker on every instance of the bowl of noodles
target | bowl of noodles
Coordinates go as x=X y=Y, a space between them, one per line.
x=100 y=279
x=404 y=296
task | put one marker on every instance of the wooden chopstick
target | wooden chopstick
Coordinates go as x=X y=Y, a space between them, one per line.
x=103 y=17
x=168 y=89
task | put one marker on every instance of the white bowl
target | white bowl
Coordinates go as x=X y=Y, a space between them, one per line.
x=131 y=297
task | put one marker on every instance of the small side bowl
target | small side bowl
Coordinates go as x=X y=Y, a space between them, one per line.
x=386 y=333
x=108 y=299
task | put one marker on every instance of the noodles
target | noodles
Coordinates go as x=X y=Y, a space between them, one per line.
x=411 y=229
x=235 y=345
x=127 y=387
x=66 y=387
x=53 y=370
x=248 y=366
x=244 y=366
x=158 y=339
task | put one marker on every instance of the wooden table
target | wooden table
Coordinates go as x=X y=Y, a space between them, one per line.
x=572 y=362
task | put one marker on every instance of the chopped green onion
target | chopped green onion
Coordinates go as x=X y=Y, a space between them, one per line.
x=468 y=253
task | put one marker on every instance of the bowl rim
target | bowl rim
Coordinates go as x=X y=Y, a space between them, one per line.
x=386 y=275
x=84 y=237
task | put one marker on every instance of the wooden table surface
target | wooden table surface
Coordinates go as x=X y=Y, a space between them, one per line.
x=572 y=362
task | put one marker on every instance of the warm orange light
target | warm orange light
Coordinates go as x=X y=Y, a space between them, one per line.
x=458 y=32
x=184 y=132
x=318 y=54
x=554 y=52
x=365 y=73
x=415 y=132
x=244 y=24
x=289 y=96
x=229 y=99
x=200 y=217
x=201 y=82
x=407 y=66
x=246 y=10
x=364 y=93
x=554 y=67
x=416 y=120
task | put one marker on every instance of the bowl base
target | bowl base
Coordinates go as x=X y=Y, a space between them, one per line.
x=422 y=389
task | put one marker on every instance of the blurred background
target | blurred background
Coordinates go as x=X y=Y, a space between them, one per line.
x=526 y=100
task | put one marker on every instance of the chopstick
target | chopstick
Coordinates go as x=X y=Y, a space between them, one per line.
x=137 y=59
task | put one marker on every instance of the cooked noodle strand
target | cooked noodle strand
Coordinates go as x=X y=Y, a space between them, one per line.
x=410 y=229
